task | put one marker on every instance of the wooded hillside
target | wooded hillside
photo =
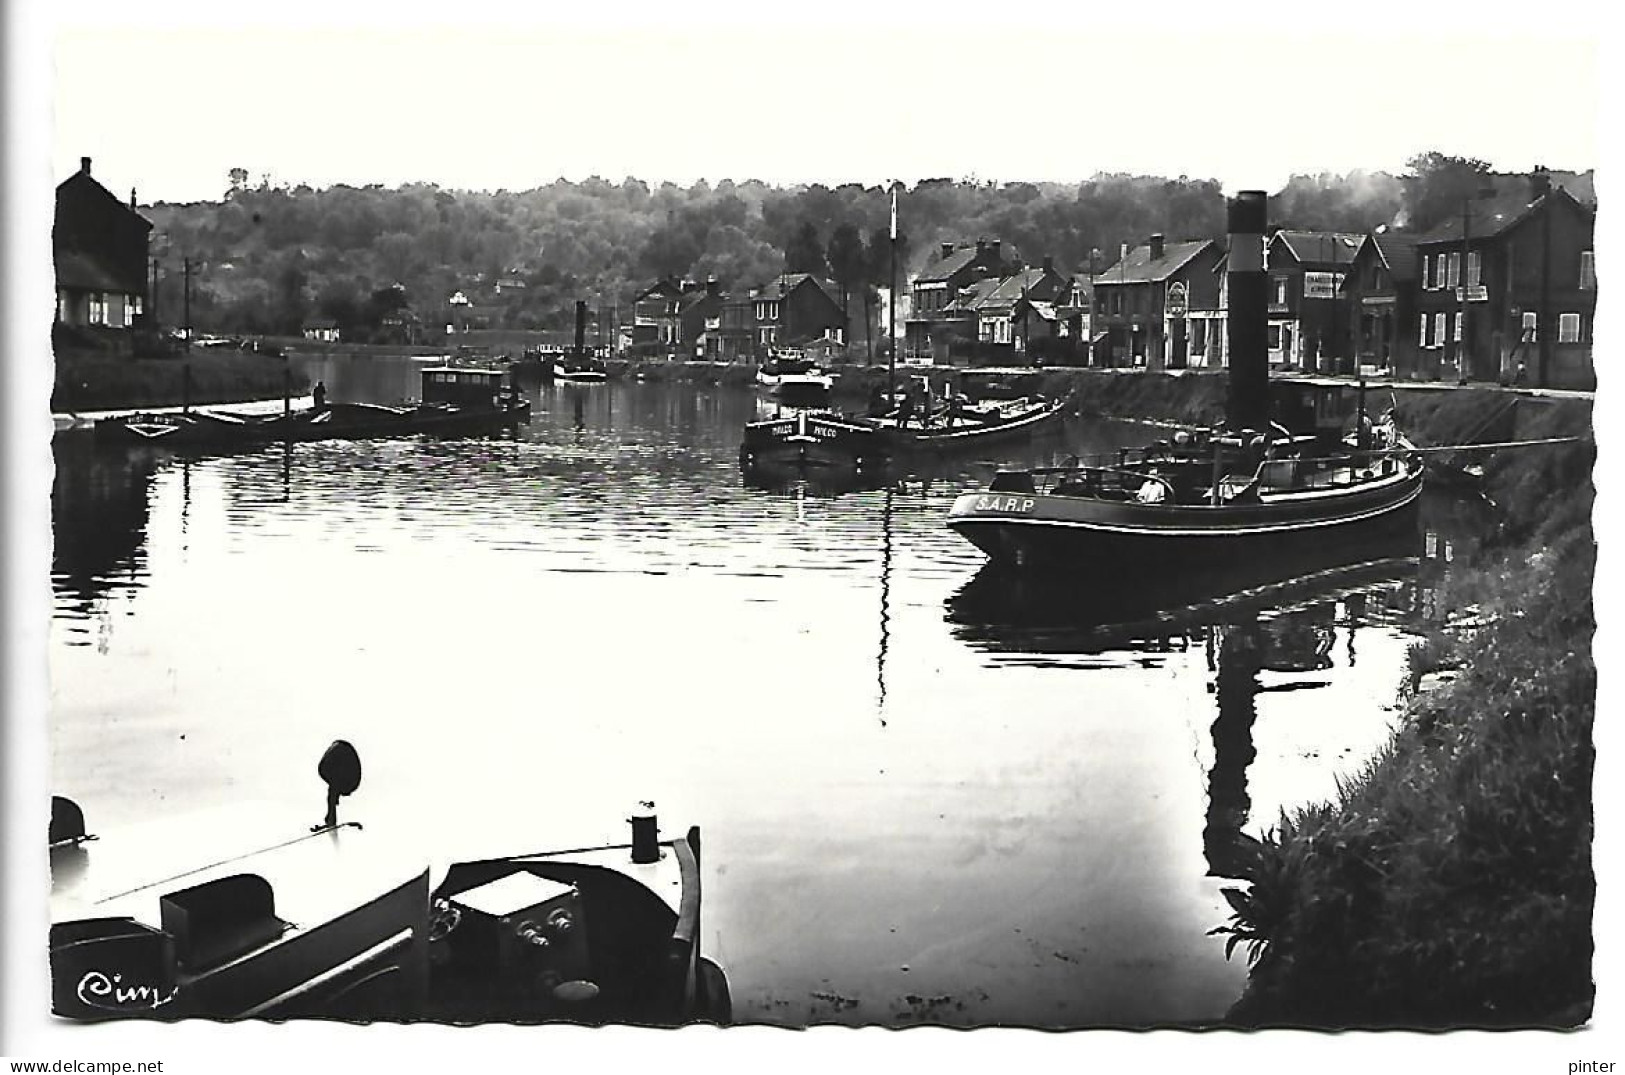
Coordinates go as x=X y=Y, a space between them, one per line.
x=269 y=258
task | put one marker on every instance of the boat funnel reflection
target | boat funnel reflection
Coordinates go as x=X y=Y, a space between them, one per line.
x=1296 y=642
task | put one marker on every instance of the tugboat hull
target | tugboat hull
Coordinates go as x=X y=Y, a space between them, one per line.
x=1080 y=534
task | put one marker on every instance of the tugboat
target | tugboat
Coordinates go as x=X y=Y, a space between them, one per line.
x=286 y=921
x=576 y=364
x=782 y=363
x=1271 y=481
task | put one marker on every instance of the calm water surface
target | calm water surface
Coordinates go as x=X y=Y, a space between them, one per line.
x=927 y=793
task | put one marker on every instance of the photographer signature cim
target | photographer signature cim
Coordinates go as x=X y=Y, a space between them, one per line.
x=97 y=989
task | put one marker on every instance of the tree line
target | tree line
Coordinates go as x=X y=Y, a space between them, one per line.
x=274 y=257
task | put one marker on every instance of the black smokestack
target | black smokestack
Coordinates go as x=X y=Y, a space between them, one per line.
x=1248 y=319
x=581 y=327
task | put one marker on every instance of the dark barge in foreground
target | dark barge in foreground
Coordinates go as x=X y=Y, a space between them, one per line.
x=457 y=401
x=1281 y=475
x=286 y=922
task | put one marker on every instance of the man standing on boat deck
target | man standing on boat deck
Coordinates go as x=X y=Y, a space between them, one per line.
x=1153 y=491
x=319 y=394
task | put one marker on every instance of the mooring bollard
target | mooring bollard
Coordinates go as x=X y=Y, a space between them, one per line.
x=645 y=833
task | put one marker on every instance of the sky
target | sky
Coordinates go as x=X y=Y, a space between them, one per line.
x=168 y=96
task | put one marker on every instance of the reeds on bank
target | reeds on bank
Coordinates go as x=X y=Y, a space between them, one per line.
x=1450 y=883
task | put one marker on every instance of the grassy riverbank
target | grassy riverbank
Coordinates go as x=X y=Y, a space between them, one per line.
x=1451 y=883
x=98 y=381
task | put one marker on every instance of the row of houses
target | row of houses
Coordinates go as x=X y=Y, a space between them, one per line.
x=1507 y=286
x=979 y=299
x=977 y=296
x=693 y=320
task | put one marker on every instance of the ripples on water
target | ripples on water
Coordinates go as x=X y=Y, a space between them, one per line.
x=929 y=793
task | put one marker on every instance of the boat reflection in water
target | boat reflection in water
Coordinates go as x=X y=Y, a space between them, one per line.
x=791 y=478
x=1012 y=610
x=1261 y=628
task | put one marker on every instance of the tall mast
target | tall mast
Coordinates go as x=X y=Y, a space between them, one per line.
x=891 y=300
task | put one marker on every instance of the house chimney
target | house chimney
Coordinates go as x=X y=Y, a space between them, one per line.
x=1540 y=183
x=947 y=251
x=132 y=197
x=1049 y=264
x=993 y=246
x=84 y=165
x=711 y=284
x=1247 y=323
x=1156 y=246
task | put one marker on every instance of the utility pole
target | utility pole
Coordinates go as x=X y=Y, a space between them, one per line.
x=1089 y=329
x=1462 y=293
x=186 y=271
x=1544 y=330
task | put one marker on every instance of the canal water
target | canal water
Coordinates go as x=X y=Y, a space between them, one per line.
x=927 y=794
